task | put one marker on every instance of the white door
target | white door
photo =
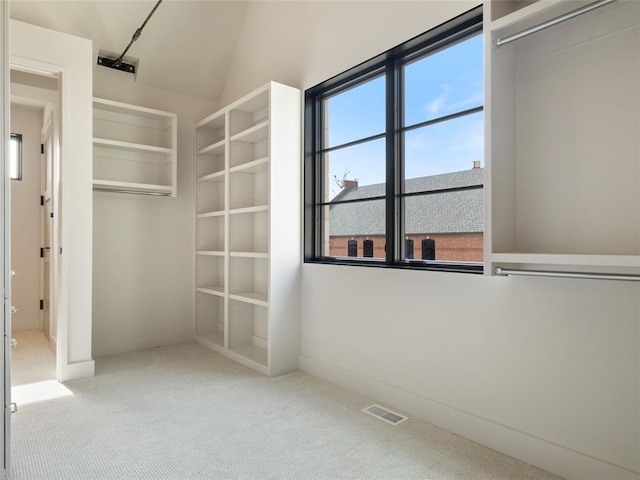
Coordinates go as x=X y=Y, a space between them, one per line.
x=5 y=241
x=46 y=225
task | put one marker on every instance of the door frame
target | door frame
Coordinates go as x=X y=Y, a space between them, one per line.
x=5 y=241
x=47 y=52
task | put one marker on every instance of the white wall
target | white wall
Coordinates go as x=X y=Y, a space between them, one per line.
x=39 y=49
x=546 y=370
x=25 y=221
x=143 y=247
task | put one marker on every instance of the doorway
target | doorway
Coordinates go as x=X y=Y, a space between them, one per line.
x=34 y=120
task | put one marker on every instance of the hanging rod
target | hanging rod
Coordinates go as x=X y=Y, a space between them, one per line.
x=552 y=22
x=541 y=273
x=132 y=192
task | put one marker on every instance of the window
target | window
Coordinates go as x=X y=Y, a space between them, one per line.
x=15 y=156
x=394 y=155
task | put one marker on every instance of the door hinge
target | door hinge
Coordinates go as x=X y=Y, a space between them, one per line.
x=41 y=200
x=41 y=304
x=42 y=148
x=41 y=252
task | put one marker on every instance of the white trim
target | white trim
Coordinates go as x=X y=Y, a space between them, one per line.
x=74 y=371
x=543 y=454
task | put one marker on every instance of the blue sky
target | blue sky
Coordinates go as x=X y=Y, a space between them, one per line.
x=443 y=83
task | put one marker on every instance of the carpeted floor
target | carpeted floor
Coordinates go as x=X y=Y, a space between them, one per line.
x=184 y=412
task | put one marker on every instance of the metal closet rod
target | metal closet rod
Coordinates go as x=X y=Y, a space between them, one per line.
x=552 y=22
x=132 y=192
x=542 y=273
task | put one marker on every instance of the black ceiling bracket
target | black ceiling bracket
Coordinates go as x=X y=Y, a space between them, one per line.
x=111 y=63
x=117 y=63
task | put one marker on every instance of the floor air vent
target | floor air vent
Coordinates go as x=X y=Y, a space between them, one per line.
x=385 y=414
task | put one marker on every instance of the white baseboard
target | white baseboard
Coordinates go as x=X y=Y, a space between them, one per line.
x=75 y=371
x=553 y=458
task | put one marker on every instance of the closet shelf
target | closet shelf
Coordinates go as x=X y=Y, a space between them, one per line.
x=249 y=254
x=144 y=187
x=256 y=166
x=215 y=177
x=215 y=149
x=255 y=134
x=254 y=209
x=253 y=353
x=212 y=290
x=133 y=147
x=217 y=213
x=255 y=298
x=211 y=253
x=233 y=181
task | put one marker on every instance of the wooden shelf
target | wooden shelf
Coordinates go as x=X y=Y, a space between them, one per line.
x=217 y=213
x=134 y=148
x=249 y=254
x=253 y=353
x=255 y=298
x=211 y=339
x=212 y=290
x=216 y=177
x=254 y=134
x=233 y=183
x=215 y=149
x=255 y=166
x=210 y=253
x=116 y=185
x=255 y=209
x=563 y=187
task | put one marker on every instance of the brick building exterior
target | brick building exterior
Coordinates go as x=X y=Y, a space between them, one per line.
x=451 y=216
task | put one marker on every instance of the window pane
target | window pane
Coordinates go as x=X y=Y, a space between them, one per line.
x=355 y=114
x=355 y=172
x=359 y=226
x=445 y=147
x=445 y=227
x=15 y=157
x=446 y=82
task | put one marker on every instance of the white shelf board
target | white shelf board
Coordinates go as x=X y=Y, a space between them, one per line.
x=218 y=213
x=254 y=209
x=215 y=177
x=214 y=340
x=534 y=14
x=145 y=187
x=128 y=109
x=249 y=254
x=567 y=259
x=253 y=353
x=133 y=147
x=256 y=166
x=215 y=121
x=212 y=290
x=255 y=134
x=211 y=253
x=214 y=149
x=255 y=298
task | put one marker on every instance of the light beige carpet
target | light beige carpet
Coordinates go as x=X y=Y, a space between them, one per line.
x=184 y=412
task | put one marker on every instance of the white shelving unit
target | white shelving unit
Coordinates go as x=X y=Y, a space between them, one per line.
x=134 y=149
x=248 y=215
x=562 y=126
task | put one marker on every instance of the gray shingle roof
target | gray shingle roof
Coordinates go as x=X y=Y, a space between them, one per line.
x=445 y=212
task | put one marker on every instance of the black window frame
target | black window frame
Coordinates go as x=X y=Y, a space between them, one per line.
x=389 y=63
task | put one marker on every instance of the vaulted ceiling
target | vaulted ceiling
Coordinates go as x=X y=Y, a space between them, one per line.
x=186 y=47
